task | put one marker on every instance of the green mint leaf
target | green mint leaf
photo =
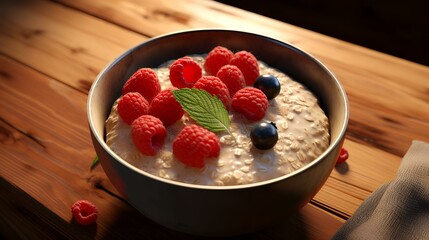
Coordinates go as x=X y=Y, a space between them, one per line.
x=207 y=110
x=94 y=162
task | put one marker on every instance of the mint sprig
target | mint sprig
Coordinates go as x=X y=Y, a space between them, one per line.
x=207 y=110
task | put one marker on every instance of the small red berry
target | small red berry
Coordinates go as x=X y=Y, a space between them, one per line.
x=165 y=107
x=344 y=155
x=131 y=106
x=194 y=144
x=248 y=64
x=84 y=212
x=143 y=81
x=184 y=72
x=215 y=87
x=148 y=134
x=232 y=77
x=216 y=58
x=251 y=102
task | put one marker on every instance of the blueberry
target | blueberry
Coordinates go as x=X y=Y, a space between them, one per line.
x=268 y=84
x=264 y=135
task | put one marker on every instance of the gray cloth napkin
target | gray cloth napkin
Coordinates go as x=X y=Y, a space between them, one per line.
x=398 y=209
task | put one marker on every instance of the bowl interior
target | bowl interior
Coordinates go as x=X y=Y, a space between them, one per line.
x=296 y=63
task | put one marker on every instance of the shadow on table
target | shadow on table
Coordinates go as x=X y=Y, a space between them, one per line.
x=342 y=168
x=23 y=217
x=144 y=228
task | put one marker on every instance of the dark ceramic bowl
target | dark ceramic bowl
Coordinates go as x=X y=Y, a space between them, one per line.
x=217 y=210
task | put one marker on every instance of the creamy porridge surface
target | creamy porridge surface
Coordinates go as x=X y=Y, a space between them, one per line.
x=302 y=128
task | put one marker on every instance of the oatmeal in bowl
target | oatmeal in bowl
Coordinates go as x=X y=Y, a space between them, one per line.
x=301 y=126
x=238 y=124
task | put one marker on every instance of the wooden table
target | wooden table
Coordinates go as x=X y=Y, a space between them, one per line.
x=51 y=51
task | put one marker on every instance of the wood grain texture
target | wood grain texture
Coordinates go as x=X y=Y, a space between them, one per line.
x=353 y=181
x=374 y=81
x=22 y=217
x=60 y=42
x=50 y=52
x=44 y=137
x=366 y=124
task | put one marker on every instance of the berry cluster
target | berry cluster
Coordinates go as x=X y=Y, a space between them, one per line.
x=238 y=71
x=148 y=110
x=249 y=91
x=232 y=77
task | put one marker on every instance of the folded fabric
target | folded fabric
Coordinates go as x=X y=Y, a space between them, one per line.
x=398 y=209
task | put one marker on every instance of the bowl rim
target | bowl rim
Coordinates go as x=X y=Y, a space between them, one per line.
x=100 y=139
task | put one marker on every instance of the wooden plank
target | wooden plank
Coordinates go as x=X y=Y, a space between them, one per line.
x=68 y=45
x=45 y=146
x=45 y=138
x=43 y=18
x=370 y=78
x=353 y=181
x=22 y=217
x=85 y=52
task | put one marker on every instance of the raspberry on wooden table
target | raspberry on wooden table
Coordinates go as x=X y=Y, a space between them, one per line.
x=251 y=102
x=165 y=107
x=144 y=81
x=131 y=106
x=148 y=134
x=216 y=58
x=232 y=77
x=84 y=212
x=194 y=144
x=184 y=72
x=215 y=87
x=248 y=64
x=344 y=155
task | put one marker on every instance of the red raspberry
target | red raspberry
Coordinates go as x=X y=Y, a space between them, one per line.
x=184 y=72
x=131 y=106
x=165 y=107
x=84 y=212
x=232 y=77
x=344 y=155
x=148 y=134
x=216 y=58
x=194 y=144
x=251 y=102
x=215 y=87
x=143 y=81
x=248 y=64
